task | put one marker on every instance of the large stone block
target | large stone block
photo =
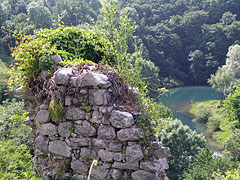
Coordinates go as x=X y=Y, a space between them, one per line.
x=85 y=129
x=127 y=165
x=64 y=129
x=96 y=80
x=62 y=76
x=48 y=129
x=130 y=134
x=105 y=155
x=143 y=175
x=134 y=153
x=60 y=148
x=79 y=167
x=75 y=113
x=41 y=143
x=106 y=132
x=121 y=119
x=42 y=116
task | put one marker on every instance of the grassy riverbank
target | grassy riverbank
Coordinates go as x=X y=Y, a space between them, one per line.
x=211 y=113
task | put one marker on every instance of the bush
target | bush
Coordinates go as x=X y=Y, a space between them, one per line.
x=214 y=123
x=203 y=113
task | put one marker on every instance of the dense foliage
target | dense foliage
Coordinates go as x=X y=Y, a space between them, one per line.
x=184 y=145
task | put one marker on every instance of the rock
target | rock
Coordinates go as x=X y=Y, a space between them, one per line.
x=61 y=77
x=79 y=167
x=80 y=177
x=76 y=81
x=24 y=94
x=143 y=175
x=100 y=97
x=60 y=148
x=75 y=113
x=161 y=152
x=151 y=166
x=115 y=146
x=42 y=116
x=48 y=129
x=118 y=157
x=127 y=165
x=100 y=172
x=134 y=153
x=163 y=163
x=96 y=117
x=116 y=174
x=64 y=129
x=106 y=132
x=79 y=142
x=85 y=129
x=105 y=155
x=130 y=134
x=95 y=80
x=41 y=143
x=121 y=119
x=99 y=143
x=85 y=153
x=43 y=107
x=68 y=101
x=56 y=58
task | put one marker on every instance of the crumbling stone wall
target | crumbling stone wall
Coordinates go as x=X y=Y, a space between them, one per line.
x=93 y=126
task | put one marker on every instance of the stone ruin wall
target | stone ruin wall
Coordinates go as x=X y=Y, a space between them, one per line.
x=92 y=128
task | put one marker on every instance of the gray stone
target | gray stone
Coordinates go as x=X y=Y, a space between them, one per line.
x=60 y=148
x=43 y=107
x=41 y=143
x=164 y=163
x=75 y=113
x=151 y=166
x=96 y=80
x=61 y=77
x=85 y=129
x=99 y=143
x=96 y=117
x=24 y=94
x=130 y=134
x=48 y=129
x=79 y=142
x=134 y=153
x=56 y=58
x=106 y=132
x=68 y=101
x=143 y=175
x=105 y=155
x=127 y=165
x=161 y=152
x=100 y=172
x=116 y=174
x=115 y=146
x=79 y=177
x=85 y=153
x=64 y=129
x=83 y=91
x=121 y=119
x=76 y=81
x=118 y=157
x=79 y=167
x=100 y=97
x=42 y=116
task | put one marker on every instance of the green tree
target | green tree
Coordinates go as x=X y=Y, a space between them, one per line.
x=205 y=166
x=184 y=145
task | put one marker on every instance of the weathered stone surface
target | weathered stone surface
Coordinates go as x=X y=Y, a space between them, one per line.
x=120 y=165
x=130 y=134
x=121 y=119
x=143 y=175
x=79 y=142
x=161 y=152
x=85 y=129
x=115 y=146
x=105 y=155
x=60 y=148
x=118 y=157
x=80 y=177
x=99 y=143
x=151 y=166
x=100 y=172
x=76 y=81
x=79 y=167
x=85 y=153
x=42 y=116
x=61 y=77
x=163 y=163
x=64 y=129
x=75 y=113
x=100 y=97
x=106 y=132
x=56 y=58
x=96 y=80
x=68 y=101
x=134 y=153
x=116 y=174
x=24 y=94
x=96 y=117
x=41 y=143
x=43 y=107
x=48 y=129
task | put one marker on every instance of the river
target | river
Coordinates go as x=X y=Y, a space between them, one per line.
x=179 y=100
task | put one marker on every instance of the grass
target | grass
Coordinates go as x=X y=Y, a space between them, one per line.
x=216 y=123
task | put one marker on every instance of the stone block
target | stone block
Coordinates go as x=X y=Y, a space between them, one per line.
x=60 y=148
x=120 y=119
x=106 y=132
x=130 y=134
